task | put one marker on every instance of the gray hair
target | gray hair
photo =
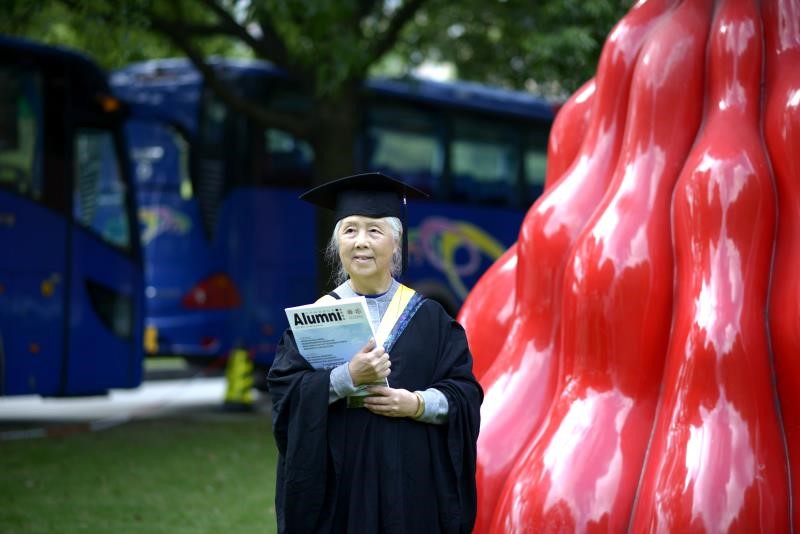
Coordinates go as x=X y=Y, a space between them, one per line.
x=339 y=275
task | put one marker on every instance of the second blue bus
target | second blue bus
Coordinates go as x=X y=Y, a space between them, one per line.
x=227 y=244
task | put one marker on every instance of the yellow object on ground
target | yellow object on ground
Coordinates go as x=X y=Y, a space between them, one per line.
x=239 y=379
x=150 y=339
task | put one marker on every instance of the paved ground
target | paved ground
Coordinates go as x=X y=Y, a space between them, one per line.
x=32 y=416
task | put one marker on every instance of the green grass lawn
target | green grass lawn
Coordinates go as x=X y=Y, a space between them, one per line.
x=210 y=472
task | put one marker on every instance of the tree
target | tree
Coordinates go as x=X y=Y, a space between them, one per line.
x=85 y=27
x=330 y=46
x=326 y=46
x=549 y=48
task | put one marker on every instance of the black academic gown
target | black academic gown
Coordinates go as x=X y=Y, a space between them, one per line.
x=348 y=470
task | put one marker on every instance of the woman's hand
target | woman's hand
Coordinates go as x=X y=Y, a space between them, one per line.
x=391 y=402
x=370 y=365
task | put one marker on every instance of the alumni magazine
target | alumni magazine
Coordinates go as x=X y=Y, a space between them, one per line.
x=331 y=333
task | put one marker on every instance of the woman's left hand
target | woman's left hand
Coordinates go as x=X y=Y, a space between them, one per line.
x=391 y=402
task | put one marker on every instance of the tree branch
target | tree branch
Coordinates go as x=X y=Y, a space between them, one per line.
x=208 y=30
x=297 y=126
x=272 y=40
x=364 y=8
x=388 y=39
x=270 y=46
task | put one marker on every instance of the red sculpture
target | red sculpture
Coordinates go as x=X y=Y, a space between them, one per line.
x=583 y=427
x=520 y=383
x=567 y=133
x=782 y=135
x=717 y=460
x=489 y=319
x=487 y=313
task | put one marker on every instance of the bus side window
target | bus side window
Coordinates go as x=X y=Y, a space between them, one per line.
x=20 y=132
x=403 y=143
x=283 y=160
x=535 y=164
x=99 y=199
x=163 y=164
x=484 y=162
x=210 y=159
x=535 y=169
x=278 y=157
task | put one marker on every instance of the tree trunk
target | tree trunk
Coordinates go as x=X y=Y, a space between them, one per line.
x=334 y=141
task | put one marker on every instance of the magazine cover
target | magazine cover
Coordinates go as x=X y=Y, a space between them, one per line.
x=330 y=333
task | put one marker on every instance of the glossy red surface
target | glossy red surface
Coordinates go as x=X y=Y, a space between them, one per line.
x=583 y=468
x=487 y=314
x=520 y=382
x=782 y=135
x=717 y=460
x=650 y=379
x=568 y=131
x=488 y=311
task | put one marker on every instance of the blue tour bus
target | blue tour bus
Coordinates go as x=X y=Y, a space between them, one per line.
x=71 y=278
x=227 y=244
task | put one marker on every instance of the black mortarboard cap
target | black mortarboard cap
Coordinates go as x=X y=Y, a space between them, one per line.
x=370 y=195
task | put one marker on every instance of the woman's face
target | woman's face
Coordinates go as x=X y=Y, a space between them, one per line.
x=365 y=249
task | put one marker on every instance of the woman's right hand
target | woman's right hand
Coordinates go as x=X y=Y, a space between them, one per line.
x=371 y=364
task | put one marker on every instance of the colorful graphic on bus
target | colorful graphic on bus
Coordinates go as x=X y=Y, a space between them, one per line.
x=159 y=220
x=438 y=242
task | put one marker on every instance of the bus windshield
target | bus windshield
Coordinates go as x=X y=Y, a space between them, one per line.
x=71 y=311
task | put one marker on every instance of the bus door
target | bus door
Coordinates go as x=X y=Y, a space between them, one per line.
x=188 y=297
x=106 y=290
x=33 y=237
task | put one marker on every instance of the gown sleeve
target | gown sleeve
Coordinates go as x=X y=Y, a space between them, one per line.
x=454 y=378
x=299 y=396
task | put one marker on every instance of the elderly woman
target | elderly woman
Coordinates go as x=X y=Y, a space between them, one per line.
x=405 y=460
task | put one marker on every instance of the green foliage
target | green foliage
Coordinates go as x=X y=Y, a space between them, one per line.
x=113 y=33
x=331 y=46
x=547 y=47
